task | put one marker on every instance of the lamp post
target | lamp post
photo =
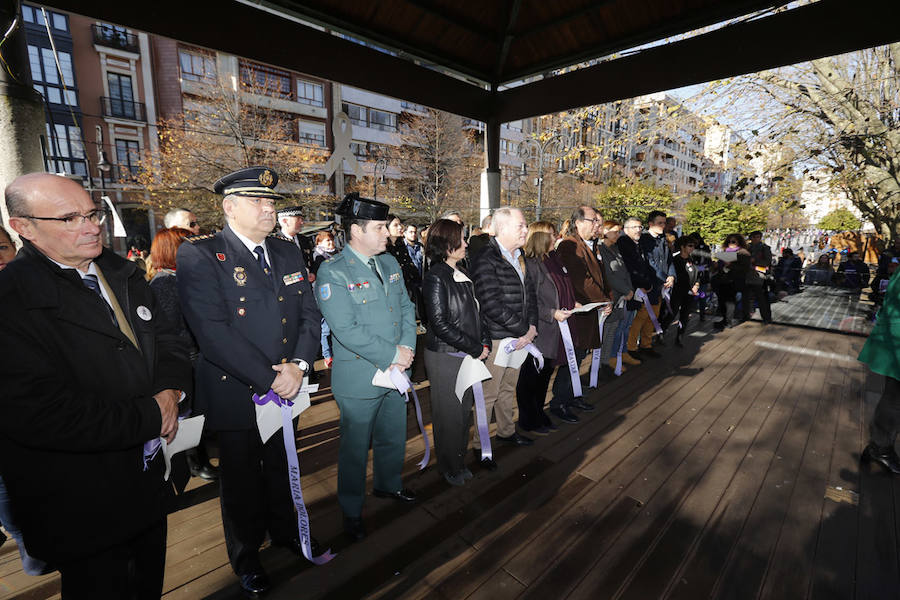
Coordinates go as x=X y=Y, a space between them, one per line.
x=551 y=148
x=379 y=164
x=103 y=168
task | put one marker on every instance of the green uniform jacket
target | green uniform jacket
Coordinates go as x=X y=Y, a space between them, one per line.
x=882 y=349
x=368 y=320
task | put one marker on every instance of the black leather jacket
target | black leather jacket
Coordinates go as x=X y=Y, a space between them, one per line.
x=454 y=324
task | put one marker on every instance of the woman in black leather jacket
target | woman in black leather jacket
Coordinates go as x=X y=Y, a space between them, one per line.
x=454 y=326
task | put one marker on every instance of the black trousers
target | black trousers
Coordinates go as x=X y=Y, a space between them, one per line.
x=255 y=495
x=451 y=419
x=758 y=293
x=563 y=393
x=886 y=420
x=531 y=391
x=132 y=570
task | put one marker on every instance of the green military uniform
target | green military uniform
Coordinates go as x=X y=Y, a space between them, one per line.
x=368 y=320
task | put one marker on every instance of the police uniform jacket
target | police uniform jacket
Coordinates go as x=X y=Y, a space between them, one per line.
x=368 y=319
x=77 y=404
x=243 y=321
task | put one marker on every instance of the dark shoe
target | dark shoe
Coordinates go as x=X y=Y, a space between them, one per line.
x=207 y=472
x=467 y=474
x=255 y=584
x=354 y=528
x=515 y=438
x=541 y=430
x=564 y=414
x=636 y=355
x=582 y=405
x=403 y=495
x=548 y=423
x=457 y=479
x=295 y=547
x=886 y=457
x=720 y=325
x=608 y=373
x=650 y=353
x=488 y=464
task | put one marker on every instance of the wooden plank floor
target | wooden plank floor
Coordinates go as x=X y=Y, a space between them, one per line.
x=726 y=470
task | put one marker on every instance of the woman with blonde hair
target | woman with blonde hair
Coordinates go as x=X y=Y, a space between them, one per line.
x=555 y=299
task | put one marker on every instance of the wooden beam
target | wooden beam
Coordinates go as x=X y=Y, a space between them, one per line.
x=241 y=30
x=825 y=28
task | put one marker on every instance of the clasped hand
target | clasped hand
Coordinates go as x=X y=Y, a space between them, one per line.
x=167 y=400
x=288 y=381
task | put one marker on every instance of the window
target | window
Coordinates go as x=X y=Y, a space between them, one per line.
x=359 y=149
x=309 y=92
x=260 y=79
x=359 y=115
x=197 y=66
x=46 y=76
x=121 y=96
x=128 y=157
x=65 y=150
x=60 y=22
x=312 y=133
x=382 y=120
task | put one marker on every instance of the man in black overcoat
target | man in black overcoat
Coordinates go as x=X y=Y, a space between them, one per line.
x=91 y=371
x=249 y=304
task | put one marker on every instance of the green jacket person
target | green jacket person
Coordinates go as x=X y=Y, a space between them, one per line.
x=363 y=299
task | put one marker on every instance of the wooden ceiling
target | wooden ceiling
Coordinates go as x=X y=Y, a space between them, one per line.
x=455 y=54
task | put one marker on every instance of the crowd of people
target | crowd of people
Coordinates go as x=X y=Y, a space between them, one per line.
x=99 y=364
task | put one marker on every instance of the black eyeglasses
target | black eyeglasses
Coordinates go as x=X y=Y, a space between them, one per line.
x=72 y=222
x=192 y=224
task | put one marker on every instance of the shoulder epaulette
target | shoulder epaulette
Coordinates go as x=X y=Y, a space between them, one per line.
x=278 y=236
x=199 y=238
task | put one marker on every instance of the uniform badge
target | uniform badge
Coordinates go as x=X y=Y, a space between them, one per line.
x=351 y=286
x=266 y=179
x=220 y=256
x=325 y=291
x=144 y=313
x=242 y=311
x=293 y=278
x=240 y=276
x=365 y=284
x=394 y=277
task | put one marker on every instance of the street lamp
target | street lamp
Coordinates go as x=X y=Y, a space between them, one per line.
x=551 y=148
x=379 y=164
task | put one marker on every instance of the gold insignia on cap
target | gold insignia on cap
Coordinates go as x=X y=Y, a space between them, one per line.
x=266 y=178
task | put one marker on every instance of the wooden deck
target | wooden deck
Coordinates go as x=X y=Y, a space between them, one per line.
x=725 y=470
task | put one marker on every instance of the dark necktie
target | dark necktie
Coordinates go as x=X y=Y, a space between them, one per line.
x=261 y=258
x=375 y=269
x=90 y=280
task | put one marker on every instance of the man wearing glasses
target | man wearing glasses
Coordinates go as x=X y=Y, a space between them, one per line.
x=246 y=297
x=183 y=218
x=91 y=373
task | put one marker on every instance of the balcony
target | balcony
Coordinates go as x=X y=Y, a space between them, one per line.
x=118 y=108
x=105 y=35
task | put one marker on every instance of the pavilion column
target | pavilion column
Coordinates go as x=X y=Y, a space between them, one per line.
x=490 y=177
x=21 y=109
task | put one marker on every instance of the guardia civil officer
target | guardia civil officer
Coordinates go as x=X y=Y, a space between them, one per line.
x=247 y=300
x=372 y=321
x=290 y=221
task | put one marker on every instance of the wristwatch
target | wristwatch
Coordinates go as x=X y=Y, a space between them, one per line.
x=304 y=366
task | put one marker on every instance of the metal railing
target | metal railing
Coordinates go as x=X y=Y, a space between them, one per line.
x=104 y=35
x=123 y=109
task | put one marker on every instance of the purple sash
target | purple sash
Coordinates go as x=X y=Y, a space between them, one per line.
x=484 y=434
x=595 y=356
x=532 y=350
x=404 y=386
x=641 y=296
x=290 y=448
x=570 y=358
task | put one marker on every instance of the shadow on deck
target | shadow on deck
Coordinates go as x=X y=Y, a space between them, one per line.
x=728 y=469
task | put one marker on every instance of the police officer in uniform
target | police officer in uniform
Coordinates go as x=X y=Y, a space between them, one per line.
x=372 y=321
x=290 y=220
x=246 y=298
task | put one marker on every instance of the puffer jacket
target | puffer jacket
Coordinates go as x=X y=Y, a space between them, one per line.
x=508 y=306
x=454 y=324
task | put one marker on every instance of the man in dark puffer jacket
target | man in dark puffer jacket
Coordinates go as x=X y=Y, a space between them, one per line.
x=508 y=303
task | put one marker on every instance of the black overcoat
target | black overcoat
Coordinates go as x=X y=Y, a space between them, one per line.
x=76 y=404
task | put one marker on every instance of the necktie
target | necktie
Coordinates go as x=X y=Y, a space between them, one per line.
x=261 y=258
x=90 y=281
x=375 y=270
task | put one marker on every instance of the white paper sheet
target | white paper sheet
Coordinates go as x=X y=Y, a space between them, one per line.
x=188 y=436
x=726 y=256
x=589 y=307
x=471 y=371
x=268 y=416
x=514 y=359
x=382 y=379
